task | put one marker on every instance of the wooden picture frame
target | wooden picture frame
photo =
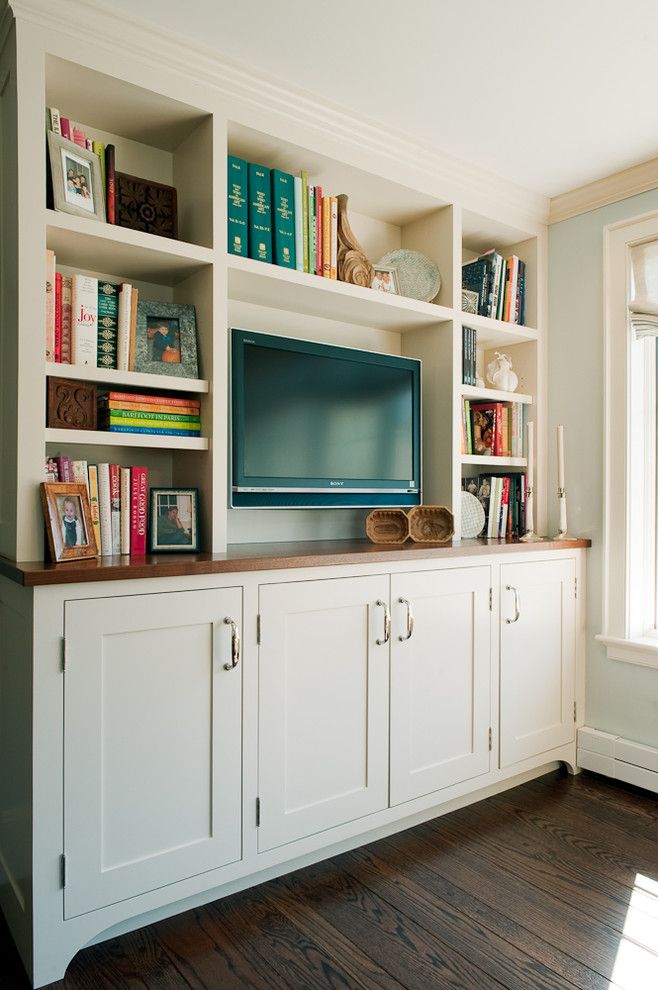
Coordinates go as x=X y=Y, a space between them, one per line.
x=174 y=520
x=68 y=521
x=77 y=179
x=166 y=340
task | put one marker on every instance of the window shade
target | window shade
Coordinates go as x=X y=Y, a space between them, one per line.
x=643 y=305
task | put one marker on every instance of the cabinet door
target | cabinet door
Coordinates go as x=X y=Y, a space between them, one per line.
x=323 y=706
x=152 y=745
x=440 y=680
x=537 y=657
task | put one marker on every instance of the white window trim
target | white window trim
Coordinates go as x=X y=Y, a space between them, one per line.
x=629 y=536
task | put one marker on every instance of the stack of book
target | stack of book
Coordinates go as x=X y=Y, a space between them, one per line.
x=135 y=412
x=492 y=429
x=74 y=133
x=500 y=285
x=469 y=356
x=118 y=498
x=503 y=498
x=89 y=320
x=277 y=217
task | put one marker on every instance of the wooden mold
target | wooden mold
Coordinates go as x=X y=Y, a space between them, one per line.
x=431 y=524
x=387 y=526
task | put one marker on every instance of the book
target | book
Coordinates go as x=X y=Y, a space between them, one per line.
x=92 y=484
x=98 y=147
x=123 y=326
x=134 y=298
x=138 y=510
x=54 y=120
x=114 y=428
x=58 y=317
x=152 y=412
x=50 y=306
x=318 y=230
x=520 y=294
x=110 y=183
x=108 y=318
x=311 y=230
x=125 y=509
x=189 y=412
x=238 y=208
x=260 y=213
x=334 y=238
x=64 y=467
x=469 y=427
x=162 y=400
x=475 y=279
x=105 y=509
x=299 y=235
x=283 y=218
x=115 y=507
x=112 y=418
x=84 y=319
x=67 y=293
x=326 y=236
x=65 y=125
x=80 y=475
x=79 y=137
x=305 y=219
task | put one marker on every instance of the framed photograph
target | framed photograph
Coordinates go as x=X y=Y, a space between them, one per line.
x=76 y=178
x=174 y=519
x=385 y=280
x=165 y=340
x=68 y=521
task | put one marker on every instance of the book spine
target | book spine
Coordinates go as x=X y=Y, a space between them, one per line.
x=79 y=137
x=464 y=355
x=125 y=510
x=64 y=468
x=123 y=326
x=260 y=213
x=469 y=427
x=134 y=298
x=92 y=484
x=318 y=230
x=105 y=509
x=138 y=511
x=520 y=295
x=98 y=147
x=55 y=120
x=110 y=183
x=334 y=237
x=187 y=412
x=151 y=413
x=50 y=306
x=238 y=206
x=84 y=320
x=160 y=400
x=80 y=476
x=115 y=505
x=65 y=125
x=152 y=430
x=498 y=429
x=108 y=315
x=504 y=507
x=471 y=356
x=67 y=289
x=326 y=236
x=305 y=219
x=58 y=317
x=299 y=234
x=311 y=229
x=158 y=423
x=283 y=218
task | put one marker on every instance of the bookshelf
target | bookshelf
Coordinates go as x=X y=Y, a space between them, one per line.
x=177 y=127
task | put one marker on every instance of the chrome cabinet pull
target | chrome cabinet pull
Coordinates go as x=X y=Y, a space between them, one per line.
x=410 y=620
x=235 y=643
x=387 y=623
x=517 y=610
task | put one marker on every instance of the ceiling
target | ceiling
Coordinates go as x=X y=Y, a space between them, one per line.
x=550 y=95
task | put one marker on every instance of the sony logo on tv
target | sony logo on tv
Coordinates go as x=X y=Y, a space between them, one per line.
x=336 y=484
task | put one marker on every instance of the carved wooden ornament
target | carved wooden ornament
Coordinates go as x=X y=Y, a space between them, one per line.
x=71 y=405
x=353 y=265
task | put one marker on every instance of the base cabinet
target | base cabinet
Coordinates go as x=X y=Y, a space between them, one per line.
x=537 y=657
x=152 y=743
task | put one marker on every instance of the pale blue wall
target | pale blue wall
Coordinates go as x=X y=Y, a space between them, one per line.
x=621 y=698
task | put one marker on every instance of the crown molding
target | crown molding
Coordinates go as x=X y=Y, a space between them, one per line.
x=602 y=192
x=96 y=24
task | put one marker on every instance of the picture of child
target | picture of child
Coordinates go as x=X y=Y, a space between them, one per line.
x=78 y=181
x=164 y=336
x=174 y=520
x=71 y=518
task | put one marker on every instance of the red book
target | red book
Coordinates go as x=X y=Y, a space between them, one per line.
x=64 y=468
x=115 y=506
x=318 y=230
x=504 y=509
x=58 y=317
x=138 y=511
x=110 y=180
x=156 y=400
x=65 y=125
x=79 y=137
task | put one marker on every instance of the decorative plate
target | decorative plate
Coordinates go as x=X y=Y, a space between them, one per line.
x=418 y=277
x=472 y=516
x=431 y=524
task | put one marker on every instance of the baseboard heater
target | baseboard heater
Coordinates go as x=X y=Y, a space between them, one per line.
x=618 y=758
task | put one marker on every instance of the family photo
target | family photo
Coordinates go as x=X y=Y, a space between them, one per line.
x=79 y=190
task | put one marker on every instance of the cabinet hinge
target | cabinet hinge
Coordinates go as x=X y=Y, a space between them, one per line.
x=63 y=655
x=491 y=599
x=575 y=587
x=258 y=629
x=490 y=740
x=257 y=812
x=62 y=870
x=575 y=711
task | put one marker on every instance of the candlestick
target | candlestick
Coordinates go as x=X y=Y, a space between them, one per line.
x=530 y=535
x=560 y=456
x=562 y=533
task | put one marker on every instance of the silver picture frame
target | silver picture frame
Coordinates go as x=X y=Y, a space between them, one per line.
x=77 y=179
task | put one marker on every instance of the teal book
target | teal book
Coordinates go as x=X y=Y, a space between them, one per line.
x=311 y=229
x=260 y=213
x=283 y=218
x=238 y=207
x=108 y=324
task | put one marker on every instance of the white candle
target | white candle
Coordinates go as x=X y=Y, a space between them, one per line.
x=530 y=435
x=560 y=457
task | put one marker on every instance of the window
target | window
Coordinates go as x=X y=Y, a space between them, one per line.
x=630 y=611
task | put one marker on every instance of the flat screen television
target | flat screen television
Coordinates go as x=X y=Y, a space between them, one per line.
x=315 y=425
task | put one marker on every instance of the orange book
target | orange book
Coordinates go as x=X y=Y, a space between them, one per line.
x=326 y=236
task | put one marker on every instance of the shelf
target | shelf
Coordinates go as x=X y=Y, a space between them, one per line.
x=493 y=395
x=125 y=379
x=494 y=333
x=107 y=439
x=281 y=288
x=94 y=246
x=495 y=463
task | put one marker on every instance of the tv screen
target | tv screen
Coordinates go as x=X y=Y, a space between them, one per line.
x=317 y=425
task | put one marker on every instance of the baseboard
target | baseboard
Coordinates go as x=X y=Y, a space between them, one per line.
x=618 y=758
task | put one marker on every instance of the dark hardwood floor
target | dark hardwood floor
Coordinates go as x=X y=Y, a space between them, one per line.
x=530 y=890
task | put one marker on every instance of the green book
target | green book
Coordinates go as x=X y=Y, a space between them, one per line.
x=283 y=217
x=260 y=213
x=143 y=414
x=305 y=218
x=238 y=209
x=311 y=229
x=108 y=324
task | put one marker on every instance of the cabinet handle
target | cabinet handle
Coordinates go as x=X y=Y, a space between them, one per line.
x=235 y=643
x=517 y=610
x=410 y=620
x=387 y=623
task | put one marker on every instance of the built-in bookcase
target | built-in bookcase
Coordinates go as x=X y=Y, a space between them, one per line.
x=177 y=128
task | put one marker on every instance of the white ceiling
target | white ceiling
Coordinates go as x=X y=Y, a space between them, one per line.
x=547 y=93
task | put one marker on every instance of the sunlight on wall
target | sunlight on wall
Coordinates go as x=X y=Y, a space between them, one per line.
x=636 y=964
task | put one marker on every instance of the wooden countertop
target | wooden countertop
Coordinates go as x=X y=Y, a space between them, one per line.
x=260 y=557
